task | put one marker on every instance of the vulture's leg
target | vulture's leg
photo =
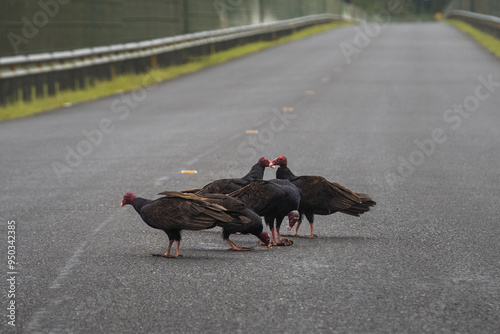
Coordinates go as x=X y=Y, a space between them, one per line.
x=294 y=234
x=283 y=241
x=310 y=218
x=170 y=242
x=236 y=248
x=279 y=234
x=270 y=222
x=274 y=237
x=177 y=254
x=167 y=254
x=312 y=235
x=279 y=220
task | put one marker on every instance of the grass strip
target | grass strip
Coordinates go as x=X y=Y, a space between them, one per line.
x=488 y=41
x=133 y=81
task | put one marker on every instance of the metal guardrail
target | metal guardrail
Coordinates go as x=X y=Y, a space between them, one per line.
x=487 y=23
x=46 y=62
x=82 y=66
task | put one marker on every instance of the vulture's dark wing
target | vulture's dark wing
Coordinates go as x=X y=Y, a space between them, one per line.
x=222 y=186
x=183 y=211
x=324 y=197
x=262 y=196
x=246 y=221
x=229 y=203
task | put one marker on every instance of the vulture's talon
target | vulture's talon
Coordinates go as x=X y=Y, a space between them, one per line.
x=241 y=249
x=167 y=256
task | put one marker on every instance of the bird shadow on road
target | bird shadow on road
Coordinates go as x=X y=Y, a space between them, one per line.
x=188 y=255
x=339 y=239
x=197 y=253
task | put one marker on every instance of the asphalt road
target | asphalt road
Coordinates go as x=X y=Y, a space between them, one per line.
x=412 y=119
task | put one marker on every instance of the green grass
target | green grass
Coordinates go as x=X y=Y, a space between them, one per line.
x=134 y=81
x=486 y=40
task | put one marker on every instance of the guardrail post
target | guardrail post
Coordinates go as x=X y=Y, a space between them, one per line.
x=12 y=90
x=3 y=92
x=112 y=71
x=154 y=62
x=91 y=75
x=64 y=81
x=26 y=89
x=72 y=79
x=51 y=84
x=39 y=85
x=81 y=78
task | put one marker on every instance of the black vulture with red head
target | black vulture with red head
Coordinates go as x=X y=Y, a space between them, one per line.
x=178 y=211
x=273 y=199
x=226 y=186
x=322 y=197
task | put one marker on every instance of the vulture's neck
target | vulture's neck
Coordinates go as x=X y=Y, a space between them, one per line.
x=285 y=173
x=139 y=203
x=256 y=173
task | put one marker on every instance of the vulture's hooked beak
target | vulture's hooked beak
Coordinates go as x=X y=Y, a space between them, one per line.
x=271 y=166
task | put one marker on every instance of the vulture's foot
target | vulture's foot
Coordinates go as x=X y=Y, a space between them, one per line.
x=167 y=255
x=237 y=249
x=310 y=236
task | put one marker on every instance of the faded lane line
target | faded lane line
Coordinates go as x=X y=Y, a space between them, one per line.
x=34 y=323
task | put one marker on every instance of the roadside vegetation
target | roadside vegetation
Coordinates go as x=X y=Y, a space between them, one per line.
x=134 y=81
x=488 y=41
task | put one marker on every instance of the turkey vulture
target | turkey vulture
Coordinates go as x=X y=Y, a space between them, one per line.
x=178 y=211
x=273 y=199
x=321 y=197
x=226 y=186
